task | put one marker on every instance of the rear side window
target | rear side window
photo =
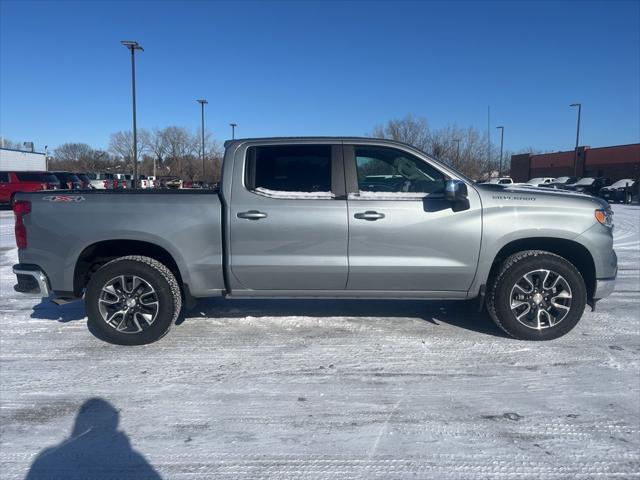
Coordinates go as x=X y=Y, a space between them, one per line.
x=4 y=177
x=36 y=177
x=282 y=169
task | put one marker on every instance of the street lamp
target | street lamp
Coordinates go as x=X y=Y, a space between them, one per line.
x=133 y=46
x=202 y=103
x=457 y=162
x=233 y=130
x=501 y=144
x=46 y=158
x=575 y=155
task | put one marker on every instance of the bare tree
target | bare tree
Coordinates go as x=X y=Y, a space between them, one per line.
x=463 y=149
x=121 y=144
x=414 y=131
x=179 y=144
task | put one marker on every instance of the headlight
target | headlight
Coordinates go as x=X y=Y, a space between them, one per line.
x=605 y=217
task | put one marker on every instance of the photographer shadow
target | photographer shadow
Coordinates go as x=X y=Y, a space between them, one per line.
x=96 y=449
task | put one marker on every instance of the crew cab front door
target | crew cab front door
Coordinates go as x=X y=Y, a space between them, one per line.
x=288 y=218
x=403 y=234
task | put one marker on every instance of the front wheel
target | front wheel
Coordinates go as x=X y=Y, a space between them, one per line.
x=132 y=300
x=537 y=295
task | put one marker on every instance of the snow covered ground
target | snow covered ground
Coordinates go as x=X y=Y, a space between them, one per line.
x=322 y=389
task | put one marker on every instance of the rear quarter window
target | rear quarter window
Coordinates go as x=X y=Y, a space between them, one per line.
x=4 y=177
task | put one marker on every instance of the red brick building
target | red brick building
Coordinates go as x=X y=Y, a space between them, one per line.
x=621 y=161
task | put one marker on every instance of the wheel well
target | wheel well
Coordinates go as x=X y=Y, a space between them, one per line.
x=572 y=251
x=96 y=255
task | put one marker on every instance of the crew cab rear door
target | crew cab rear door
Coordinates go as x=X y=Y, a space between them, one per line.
x=288 y=218
x=403 y=234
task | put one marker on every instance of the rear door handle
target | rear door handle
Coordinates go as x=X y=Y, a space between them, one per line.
x=252 y=215
x=369 y=215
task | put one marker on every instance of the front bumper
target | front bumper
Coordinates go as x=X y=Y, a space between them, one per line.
x=31 y=280
x=604 y=288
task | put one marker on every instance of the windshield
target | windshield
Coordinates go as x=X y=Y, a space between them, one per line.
x=585 y=181
x=562 y=179
x=535 y=181
x=622 y=183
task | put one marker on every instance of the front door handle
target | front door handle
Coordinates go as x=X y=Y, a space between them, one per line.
x=369 y=215
x=252 y=215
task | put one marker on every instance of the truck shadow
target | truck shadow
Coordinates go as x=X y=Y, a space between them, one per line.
x=461 y=314
x=47 y=310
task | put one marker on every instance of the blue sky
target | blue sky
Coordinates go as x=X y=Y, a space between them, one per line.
x=326 y=68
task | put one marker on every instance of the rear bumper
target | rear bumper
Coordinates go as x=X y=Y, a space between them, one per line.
x=604 y=288
x=31 y=280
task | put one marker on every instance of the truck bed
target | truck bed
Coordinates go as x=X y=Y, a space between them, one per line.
x=185 y=223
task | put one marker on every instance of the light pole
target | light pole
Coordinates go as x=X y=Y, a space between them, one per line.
x=457 y=140
x=133 y=46
x=501 y=144
x=575 y=154
x=46 y=157
x=202 y=103
x=233 y=130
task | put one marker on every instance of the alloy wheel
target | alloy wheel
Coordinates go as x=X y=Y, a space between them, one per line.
x=540 y=299
x=128 y=303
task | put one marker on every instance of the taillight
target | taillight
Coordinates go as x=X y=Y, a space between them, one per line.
x=20 y=209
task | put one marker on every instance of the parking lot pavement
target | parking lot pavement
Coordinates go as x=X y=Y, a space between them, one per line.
x=322 y=389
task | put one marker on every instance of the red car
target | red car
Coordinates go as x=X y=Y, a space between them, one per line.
x=12 y=182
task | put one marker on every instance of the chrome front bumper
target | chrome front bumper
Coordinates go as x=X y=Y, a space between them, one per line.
x=31 y=280
x=604 y=288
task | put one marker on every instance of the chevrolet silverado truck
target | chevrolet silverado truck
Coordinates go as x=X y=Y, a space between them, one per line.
x=318 y=218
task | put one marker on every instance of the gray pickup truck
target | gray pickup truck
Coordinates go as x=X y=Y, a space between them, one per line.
x=322 y=218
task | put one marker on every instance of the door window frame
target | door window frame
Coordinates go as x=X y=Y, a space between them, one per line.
x=351 y=174
x=338 y=182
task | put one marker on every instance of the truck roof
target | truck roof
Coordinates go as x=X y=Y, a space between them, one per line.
x=322 y=138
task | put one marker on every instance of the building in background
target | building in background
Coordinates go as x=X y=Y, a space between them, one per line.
x=19 y=160
x=615 y=163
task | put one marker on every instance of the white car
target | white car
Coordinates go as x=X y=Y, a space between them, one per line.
x=539 y=181
x=500 y=180
x=101 y=181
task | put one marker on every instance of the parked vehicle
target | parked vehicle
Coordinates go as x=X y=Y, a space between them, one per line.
x=13 y=182
x=500 y=180
x=540 y=181
x=560 y=182
x=620 y=191
x=121 y=180
x=85 y=181
x=101 y=181
x=588 y=185
x=147 y=181
x=68 y=180
x=294 y=218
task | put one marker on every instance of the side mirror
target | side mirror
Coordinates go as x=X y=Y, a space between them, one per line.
x=455 y=192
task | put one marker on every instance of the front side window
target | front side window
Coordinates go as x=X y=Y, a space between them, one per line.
x=387 y=170
x=289 y=170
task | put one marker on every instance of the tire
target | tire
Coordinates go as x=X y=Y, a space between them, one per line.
x=155 y=299
x=525 y=271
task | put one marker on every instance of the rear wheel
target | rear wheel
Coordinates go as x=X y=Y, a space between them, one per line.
x=132 y=300
x=537 y=295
